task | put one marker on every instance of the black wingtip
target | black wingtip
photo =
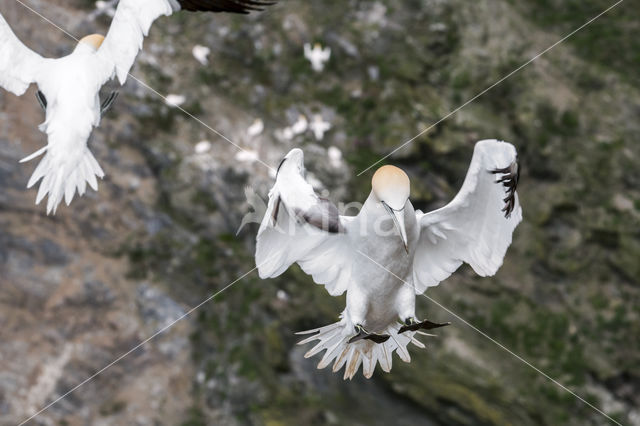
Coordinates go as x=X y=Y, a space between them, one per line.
x=42 y=100
x=510 y=178
x=230 y=6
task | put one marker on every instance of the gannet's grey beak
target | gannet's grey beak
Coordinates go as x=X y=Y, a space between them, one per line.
x=398 y=220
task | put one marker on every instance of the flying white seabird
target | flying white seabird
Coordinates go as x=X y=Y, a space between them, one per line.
x=69 y=87
x=419 y=250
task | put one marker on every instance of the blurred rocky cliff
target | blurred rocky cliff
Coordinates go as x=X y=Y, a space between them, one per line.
x=81 y=288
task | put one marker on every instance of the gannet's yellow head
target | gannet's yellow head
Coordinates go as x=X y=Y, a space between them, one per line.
x=93 y=40
x=391 y=187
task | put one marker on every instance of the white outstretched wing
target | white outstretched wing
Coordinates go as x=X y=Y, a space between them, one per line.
x=133 y=19
x=19 y=65
x=301 y=227
x=129 y=27
x=477 y=225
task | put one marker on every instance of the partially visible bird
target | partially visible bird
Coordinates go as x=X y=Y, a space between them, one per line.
x=69 y=87
x=418 y=250
x=317 y=56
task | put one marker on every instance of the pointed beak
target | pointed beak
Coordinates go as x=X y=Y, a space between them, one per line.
x=398 y=220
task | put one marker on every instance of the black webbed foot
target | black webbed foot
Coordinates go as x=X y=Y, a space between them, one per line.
x=362 y=334
x=509 y=180
x=41 y=100
x=108 y=103
x=412 y=325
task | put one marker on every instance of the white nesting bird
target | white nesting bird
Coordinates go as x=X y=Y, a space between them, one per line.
x=69 y=87
x=256 y=128
x=247 y=156
x=201 y=53
x=175 y=100
x=319 y=127
x=202 y=147
x=335 y=156
x=317 y=55
x=418 y=250
x=103 y=7
x=301 y=125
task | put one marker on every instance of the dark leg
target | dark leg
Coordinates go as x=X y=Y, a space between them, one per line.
x=412 y=325
x=108 y=103
x=362 y=334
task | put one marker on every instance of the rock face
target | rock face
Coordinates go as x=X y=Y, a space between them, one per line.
x=84 y=287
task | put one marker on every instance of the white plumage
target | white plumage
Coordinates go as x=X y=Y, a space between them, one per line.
x=317 y=56
x=70 y=87
x=417 y=249
x=319 y=127
x=201 y=53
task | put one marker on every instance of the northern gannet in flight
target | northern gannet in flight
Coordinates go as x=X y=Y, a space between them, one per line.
x=418 y=250
x=69 y=87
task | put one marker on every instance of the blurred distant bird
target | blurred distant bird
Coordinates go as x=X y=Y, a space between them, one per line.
x=418 y=250
x=319 y=127
x=201 y=53
x=335 y=156
x=247 y=156
x=69 y=87
x=202 y=147
x=317 y=56
x=300 y=126
x=174 y=100
x=256 y=128
x=103 y=8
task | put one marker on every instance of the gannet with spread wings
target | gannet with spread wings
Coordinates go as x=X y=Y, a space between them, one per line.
x=418 y=250
x=69 y=87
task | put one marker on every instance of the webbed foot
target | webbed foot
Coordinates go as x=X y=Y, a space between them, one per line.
x=412 y=325
x=362 y=334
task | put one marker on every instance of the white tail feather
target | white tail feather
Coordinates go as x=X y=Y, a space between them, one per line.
x=63 y=176
x=333 y=338
x=38 y=153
